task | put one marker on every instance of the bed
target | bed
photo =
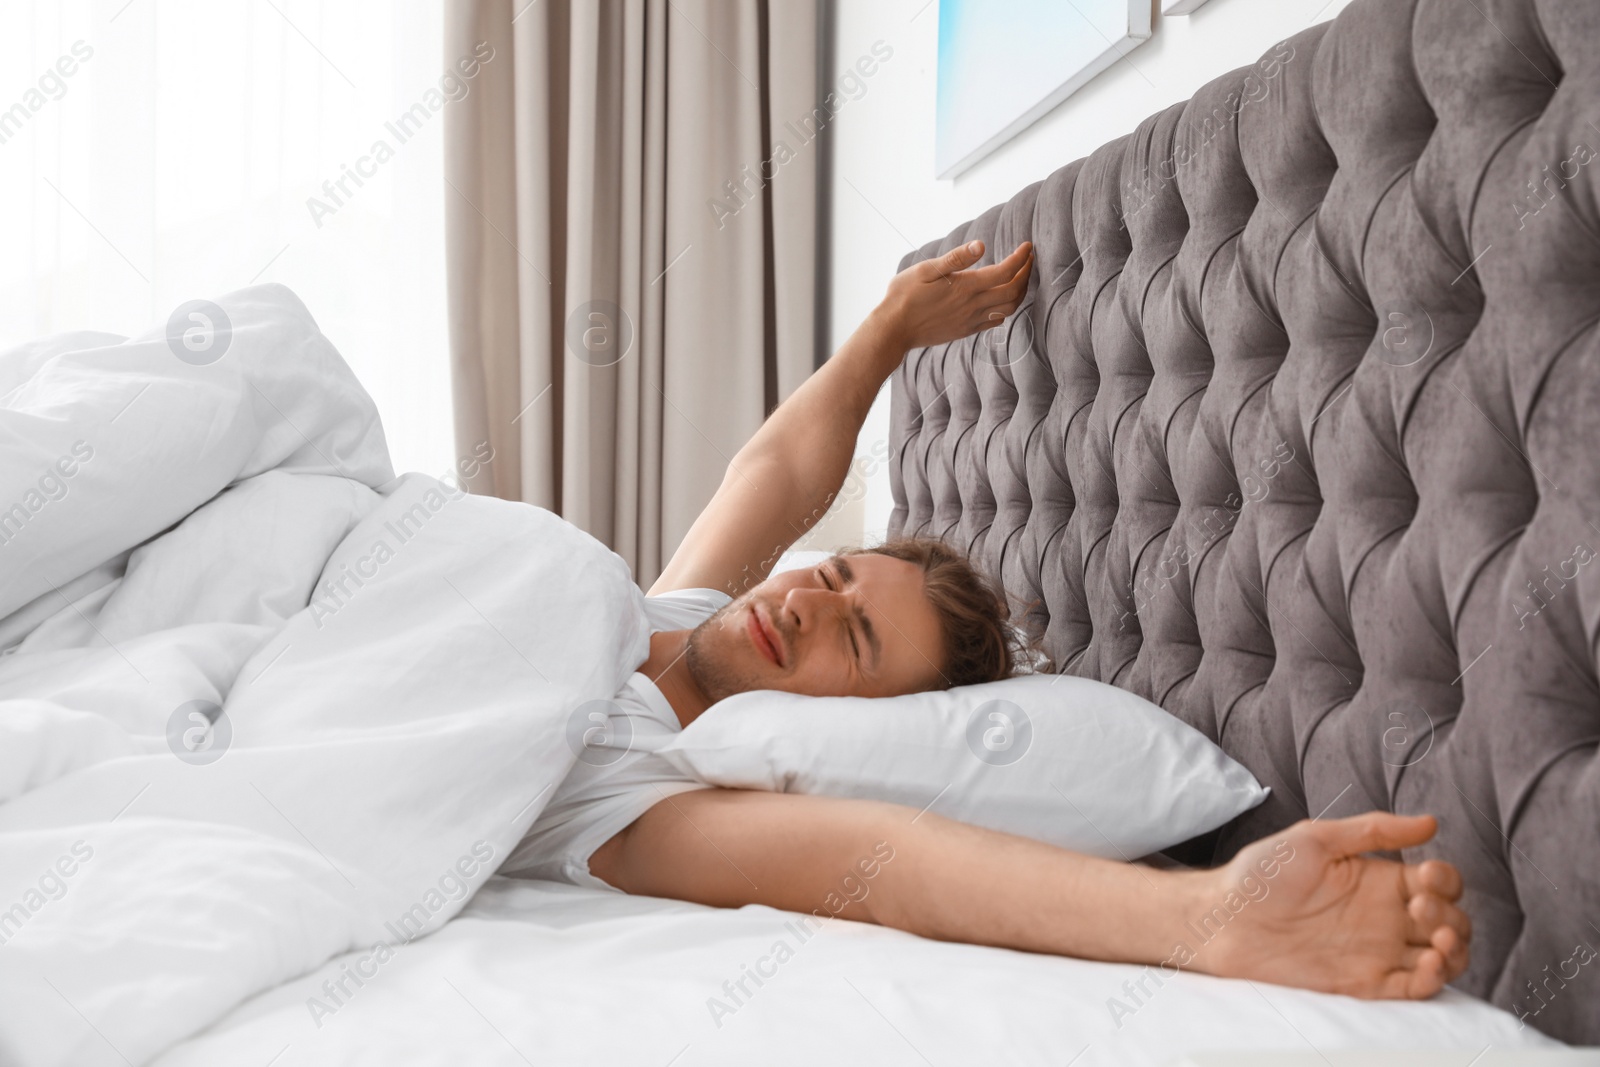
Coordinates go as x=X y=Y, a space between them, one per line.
x=270 y=718
x=269 y=714
x=1294 y=436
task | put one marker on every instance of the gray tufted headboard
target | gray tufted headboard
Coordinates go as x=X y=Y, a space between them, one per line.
x=1298 y=435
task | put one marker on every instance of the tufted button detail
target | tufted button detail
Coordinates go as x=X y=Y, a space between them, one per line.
x=1295 y=434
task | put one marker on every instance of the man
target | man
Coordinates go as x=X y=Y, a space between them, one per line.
x=913 y=616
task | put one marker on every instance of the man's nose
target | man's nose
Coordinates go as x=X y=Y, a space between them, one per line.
x=809 y=605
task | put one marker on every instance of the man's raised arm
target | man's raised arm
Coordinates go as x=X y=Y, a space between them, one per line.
x=784 y=478
x=1302 y=908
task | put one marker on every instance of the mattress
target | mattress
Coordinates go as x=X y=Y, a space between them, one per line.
x=545 y=973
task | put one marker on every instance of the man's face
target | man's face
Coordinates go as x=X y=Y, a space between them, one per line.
x=853 y=626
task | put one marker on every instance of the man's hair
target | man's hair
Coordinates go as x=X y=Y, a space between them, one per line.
x=980 y=645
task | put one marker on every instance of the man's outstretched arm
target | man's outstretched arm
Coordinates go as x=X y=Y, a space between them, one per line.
x=1303 y=908
x=782 y=481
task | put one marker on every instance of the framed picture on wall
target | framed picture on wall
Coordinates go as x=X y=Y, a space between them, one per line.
x=1004 y=63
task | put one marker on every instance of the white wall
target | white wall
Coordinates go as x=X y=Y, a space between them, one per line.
x=886 y=200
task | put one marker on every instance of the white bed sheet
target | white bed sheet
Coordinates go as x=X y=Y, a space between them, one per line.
x=542 y=973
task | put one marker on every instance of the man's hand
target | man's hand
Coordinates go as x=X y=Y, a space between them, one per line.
x=1336 y=921
x=787 y=476
x=939 y=300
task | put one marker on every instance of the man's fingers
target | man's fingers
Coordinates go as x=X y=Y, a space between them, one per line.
x=1004 y=271
x=1376 y=831
x=1422 y=973
x=1437 y=877
x=1455 y=951
x=1019 y=280
x=1428 y=913
x=1437 y=956
x=1441 y=926
x=1002 y=300
x=1016 y=287
x=1418 y=975
x=1001 y=308
x=959 y=259
x=985 y=320
x=991 y=317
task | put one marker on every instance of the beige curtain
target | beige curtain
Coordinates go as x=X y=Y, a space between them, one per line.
x=631 y=228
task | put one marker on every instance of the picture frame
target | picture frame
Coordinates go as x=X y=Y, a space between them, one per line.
x=1003 y=64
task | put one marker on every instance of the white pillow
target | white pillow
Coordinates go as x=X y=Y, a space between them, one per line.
x=796 y=559
x=1073 y=762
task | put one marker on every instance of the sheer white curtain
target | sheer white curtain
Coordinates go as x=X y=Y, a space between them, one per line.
x=155 y=151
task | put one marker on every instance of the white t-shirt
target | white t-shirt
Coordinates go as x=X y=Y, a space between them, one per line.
x=620 y=776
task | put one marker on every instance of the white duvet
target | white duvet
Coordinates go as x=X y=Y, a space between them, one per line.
x=396 y=662
x=269 y=717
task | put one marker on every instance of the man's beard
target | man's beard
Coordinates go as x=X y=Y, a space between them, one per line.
x=714 y=676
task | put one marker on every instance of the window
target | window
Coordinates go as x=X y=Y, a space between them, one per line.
x=154 y=151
